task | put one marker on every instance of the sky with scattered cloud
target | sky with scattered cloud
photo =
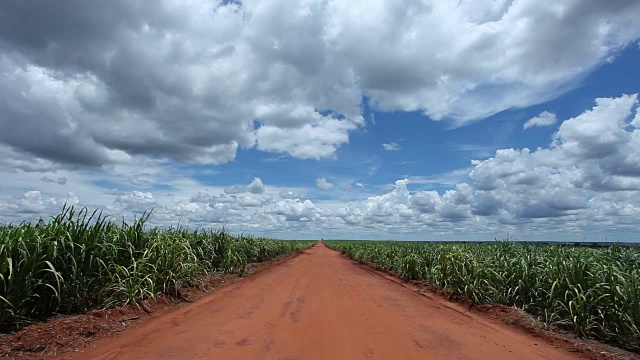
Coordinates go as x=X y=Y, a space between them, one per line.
x=417 y=120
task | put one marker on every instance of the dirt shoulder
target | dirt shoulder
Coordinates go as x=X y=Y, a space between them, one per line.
x=513 y=317
x=63 y=334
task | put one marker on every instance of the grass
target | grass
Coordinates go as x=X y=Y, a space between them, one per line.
x=592 y=292
x=79 y=260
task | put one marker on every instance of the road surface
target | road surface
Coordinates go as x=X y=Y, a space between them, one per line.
x=320 y=305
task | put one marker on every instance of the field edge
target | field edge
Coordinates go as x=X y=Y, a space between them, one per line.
x=70 y=333
x=504 y=315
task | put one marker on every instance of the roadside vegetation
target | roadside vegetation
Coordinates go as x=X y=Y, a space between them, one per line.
x=593 y=292
x=79 y=260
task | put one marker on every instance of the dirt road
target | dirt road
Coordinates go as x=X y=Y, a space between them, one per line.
x=320 y=305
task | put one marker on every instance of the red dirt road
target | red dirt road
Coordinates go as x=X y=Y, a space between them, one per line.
x=320 y=305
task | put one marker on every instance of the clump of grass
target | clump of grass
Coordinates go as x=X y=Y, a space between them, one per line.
x=593 y=292
x=80 y=260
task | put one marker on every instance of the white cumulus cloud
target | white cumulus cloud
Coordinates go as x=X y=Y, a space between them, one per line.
x=544 y=119
x=323 y=184
x=256 y=186
x=295 y=210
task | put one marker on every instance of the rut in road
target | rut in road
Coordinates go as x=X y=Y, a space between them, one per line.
x=320 y=305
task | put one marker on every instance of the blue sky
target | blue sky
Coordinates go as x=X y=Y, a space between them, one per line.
x=307 y=119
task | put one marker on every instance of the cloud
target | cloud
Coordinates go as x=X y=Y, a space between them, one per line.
x=426 y=201
x=251 y=201
x=256 y=186
x=289 y=194
x=601 y=133
x=137 y=201
x=108 y=98
x=586 y=180
x=468 y=80
x=311 y=141
x=391 y=147
x=323 y=184
x=32 y=205
x=206 y=198
x=235 y=189
x=294 y=210
x=201 y=197
x=61 y=180
x=449 y=178
x=223 y=199
x=400 y=211
x=115 y=192
x=194 y=82
x=592 y=153
x=201 y=215
x=137 y=181
x=544 y=119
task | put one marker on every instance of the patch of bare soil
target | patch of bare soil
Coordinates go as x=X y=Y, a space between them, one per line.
x=516 y=318
x=69 y=333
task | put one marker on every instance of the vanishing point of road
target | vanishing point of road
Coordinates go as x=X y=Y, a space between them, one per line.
x=320 y=305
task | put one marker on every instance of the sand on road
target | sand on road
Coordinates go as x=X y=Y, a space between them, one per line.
x=320 y=305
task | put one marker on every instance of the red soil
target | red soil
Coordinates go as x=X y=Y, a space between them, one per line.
x=320 y=305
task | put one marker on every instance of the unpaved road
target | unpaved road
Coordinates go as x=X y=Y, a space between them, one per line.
x=320 y=305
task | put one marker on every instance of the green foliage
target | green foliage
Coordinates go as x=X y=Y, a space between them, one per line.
x=593 y=292
x=80 y=260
